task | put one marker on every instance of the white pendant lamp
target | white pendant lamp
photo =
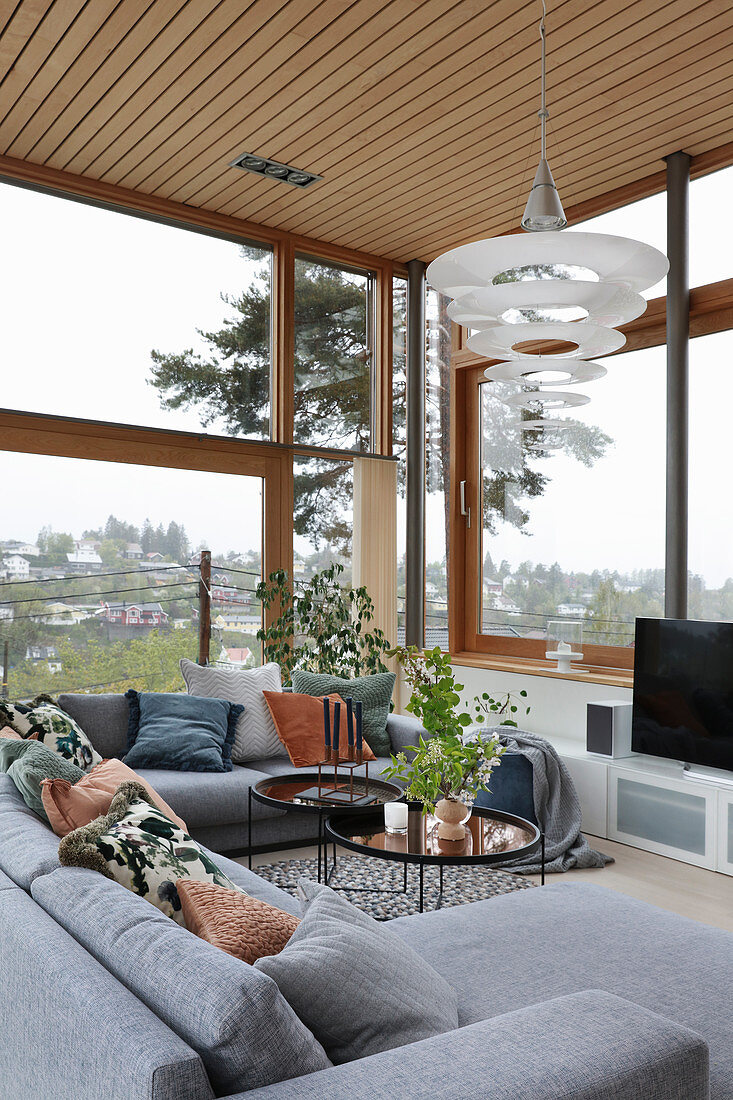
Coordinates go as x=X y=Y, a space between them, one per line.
x=554 y=285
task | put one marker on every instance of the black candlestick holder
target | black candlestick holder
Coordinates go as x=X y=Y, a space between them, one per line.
x=339 y=789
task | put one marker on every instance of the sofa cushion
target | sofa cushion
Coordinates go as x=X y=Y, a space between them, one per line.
x=139 y=847
x=375 y=693
x=255 y=736
x=210 y=798
x=359 y=988
x=185 y=733
x=600 y=940
x=234 y=922
x=104 y=719
x=28 y=763
x=231 y=1014
x=300 y=726
x=54 y=728
x=68 y=806
x=27 y=846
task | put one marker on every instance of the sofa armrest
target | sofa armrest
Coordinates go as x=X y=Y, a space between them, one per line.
x=585 y=1046
x=404 y=730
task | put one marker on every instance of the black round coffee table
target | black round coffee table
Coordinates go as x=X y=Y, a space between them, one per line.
x=284 y=793
x=492 y=837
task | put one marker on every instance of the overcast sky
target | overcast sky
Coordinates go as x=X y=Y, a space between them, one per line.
x=86 y=295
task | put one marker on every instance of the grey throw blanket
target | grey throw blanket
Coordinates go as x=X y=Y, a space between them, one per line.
x=556 y=808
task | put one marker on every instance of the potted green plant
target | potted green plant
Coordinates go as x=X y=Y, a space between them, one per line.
x=446 y=771
x=321 y=626
x=500 y=710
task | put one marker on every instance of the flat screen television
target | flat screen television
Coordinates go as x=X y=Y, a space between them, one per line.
x=683 y=691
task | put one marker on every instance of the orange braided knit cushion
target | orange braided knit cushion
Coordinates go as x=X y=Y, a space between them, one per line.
x=235 y=922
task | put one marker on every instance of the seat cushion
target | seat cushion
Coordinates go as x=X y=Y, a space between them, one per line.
x=28 y=847
x=210 y=798
x=234 y=1017
x=598 y=939
x=104 y=719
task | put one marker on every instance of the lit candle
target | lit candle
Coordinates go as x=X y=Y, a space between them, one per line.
x=350 y=722
x=327 y=721
x=395 y=817
x=336 y=724
x=359 y=739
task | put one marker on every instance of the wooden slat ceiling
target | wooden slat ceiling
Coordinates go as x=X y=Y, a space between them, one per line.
x=419 y=114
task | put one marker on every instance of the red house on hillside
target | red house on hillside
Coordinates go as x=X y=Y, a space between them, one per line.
x=135 y=614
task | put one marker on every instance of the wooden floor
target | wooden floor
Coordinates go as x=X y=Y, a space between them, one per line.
x=703 y=895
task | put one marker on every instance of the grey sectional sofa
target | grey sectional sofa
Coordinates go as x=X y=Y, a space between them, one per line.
x=214 y=805
x=568 y=991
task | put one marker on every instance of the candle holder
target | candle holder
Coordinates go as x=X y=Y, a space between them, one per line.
x=335 y=789
x=567 y=637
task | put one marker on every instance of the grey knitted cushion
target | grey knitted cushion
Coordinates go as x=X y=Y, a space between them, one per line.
x=359 y=988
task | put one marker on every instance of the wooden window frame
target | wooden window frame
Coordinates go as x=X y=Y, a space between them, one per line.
x=711 y=310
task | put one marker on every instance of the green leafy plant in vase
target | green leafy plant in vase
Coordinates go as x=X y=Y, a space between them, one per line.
x=445 y=771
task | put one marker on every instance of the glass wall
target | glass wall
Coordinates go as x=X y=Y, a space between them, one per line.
x=710 y=538
x=333 y=356
x=573 y=521
x=711 y=233
x=437 y=467
x=324 y=515
x=645 y=220
x=399 y=434
x=109 y=317
x=100 y=572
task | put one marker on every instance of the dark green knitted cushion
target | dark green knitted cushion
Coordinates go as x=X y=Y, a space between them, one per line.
x=28 y=763
x=375 y=692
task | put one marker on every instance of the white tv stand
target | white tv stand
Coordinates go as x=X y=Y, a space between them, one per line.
x=655 y=804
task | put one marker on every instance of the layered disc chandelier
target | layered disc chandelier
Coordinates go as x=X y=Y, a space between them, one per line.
x=555 y=286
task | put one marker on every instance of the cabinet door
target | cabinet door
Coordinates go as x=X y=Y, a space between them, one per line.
x=589 y=777
x=725 y=832
x=674 y=818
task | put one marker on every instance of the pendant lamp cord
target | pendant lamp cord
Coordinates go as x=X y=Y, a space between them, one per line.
x=543 y=113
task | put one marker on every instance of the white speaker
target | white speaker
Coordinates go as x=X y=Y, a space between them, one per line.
x=608 y=728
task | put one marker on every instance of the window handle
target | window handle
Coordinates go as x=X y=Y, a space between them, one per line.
x=464 y=510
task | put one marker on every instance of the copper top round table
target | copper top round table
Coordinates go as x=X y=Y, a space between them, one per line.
x=284 y=793
x=492 y=837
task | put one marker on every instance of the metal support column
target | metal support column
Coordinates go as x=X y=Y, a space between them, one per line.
x=415 y=558
x=678 y=335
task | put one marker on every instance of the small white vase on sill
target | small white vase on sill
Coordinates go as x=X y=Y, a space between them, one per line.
x=452 y=816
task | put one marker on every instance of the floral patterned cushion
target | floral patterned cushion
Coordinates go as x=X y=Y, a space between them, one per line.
x=47 y=723
x=138 y=846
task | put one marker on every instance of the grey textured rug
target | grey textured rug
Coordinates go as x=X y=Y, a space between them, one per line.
x=364 y=882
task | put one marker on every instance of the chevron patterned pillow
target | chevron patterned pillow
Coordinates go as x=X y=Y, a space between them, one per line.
x=256 y=737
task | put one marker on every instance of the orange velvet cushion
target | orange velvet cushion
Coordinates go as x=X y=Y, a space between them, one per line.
x=299 y=724
x=69 y=806
x=238 y=924
x=9 y=732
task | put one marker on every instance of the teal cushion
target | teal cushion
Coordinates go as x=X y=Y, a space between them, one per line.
x=28 y=763
x=182 y=733
x=375 y=692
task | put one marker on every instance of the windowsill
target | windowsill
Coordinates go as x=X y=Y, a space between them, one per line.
x=593 y=674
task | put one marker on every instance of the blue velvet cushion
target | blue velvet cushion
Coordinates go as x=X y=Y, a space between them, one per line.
x=182 y=733
x=512 y=788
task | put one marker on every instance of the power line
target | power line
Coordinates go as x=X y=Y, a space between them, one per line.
x=95 y=576
x=105 y=592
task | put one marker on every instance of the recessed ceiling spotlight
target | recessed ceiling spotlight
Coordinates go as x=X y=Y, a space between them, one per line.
x=273 y=169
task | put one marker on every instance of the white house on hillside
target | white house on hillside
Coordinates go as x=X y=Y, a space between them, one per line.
x=16 y=567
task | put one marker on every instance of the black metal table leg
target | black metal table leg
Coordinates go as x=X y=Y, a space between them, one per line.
x=404 y=883
x=441 y=883
x=542 y=882
x=320 y=834
x=249 y=829
x=422 y=868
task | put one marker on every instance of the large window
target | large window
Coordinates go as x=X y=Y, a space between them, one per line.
x=100 y=572
x=573 y=520
x=333 y=356
x=645 y=220
x=437 y=468
x=711 y=234
x=710 y=537
x=324 y=515
x=114 y=318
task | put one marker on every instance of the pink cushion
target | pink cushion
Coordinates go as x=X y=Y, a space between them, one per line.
x=69 y=806
x=235 y=922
